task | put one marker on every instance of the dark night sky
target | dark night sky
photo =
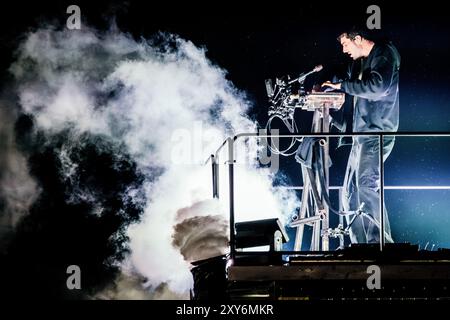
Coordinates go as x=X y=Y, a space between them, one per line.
x=253 y=42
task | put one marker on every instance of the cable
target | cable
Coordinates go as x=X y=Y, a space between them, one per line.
x=292 y=127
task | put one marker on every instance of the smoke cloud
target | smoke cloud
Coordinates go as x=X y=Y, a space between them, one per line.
x=128 y=125
x=17 y=189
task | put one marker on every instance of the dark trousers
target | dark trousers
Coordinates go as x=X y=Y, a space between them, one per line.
x=362 y=184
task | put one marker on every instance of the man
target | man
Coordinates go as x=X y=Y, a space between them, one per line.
x=373 y=82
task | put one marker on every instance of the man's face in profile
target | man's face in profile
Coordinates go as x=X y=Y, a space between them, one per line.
x=352 y=47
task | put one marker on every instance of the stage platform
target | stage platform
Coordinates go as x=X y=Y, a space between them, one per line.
x=405 y=273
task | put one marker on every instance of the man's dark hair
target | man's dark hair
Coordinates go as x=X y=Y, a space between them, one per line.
x=363 y=32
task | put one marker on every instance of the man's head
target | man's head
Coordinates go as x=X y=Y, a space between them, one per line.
x=355 y=44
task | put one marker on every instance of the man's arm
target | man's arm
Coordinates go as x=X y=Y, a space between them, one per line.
x=376 y=85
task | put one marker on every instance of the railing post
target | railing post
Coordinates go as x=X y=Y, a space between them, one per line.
x=381 y=193
x=231 y=185
x=215 y=177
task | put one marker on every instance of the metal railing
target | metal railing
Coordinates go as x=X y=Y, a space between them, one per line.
x=230 y=142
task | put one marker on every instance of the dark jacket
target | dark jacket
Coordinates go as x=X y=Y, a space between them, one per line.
x=376 y=94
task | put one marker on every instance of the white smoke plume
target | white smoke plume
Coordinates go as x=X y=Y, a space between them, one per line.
x=170 y=107
x=17 y=189
x=132 y=287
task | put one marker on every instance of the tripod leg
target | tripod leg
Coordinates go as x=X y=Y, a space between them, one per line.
x=303 y=211
x=316 y=236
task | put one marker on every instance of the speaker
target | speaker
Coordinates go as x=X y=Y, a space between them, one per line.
x=260 y=233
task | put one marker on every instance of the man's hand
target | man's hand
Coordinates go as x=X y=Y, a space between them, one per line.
x=335 y=86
